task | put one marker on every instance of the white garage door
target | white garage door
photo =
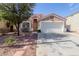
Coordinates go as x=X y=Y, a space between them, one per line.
x=50 y=27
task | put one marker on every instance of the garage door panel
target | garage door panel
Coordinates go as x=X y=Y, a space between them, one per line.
x=51 y=26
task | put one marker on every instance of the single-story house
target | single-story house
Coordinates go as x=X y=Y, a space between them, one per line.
x=49 y=23
x=45 y=23
x=72 y=22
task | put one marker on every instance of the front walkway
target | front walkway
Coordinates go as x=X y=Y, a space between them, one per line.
x=53 y=44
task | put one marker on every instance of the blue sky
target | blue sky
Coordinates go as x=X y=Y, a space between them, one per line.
x=62 y=9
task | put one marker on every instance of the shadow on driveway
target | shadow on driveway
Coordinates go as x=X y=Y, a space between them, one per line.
x=53 y=36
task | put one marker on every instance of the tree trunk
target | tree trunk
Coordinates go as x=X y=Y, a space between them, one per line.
x=18 y=30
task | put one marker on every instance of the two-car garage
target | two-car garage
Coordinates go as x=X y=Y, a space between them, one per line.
x=49 y=26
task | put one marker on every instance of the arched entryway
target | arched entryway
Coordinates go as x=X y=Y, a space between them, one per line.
x=35 y=25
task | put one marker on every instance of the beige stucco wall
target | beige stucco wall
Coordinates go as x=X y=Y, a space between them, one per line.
x=73 y=21
x=2 y=24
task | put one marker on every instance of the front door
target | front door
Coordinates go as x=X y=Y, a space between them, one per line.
x=35 y=25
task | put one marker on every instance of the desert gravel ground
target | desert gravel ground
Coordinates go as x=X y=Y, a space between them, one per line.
x=26 y=40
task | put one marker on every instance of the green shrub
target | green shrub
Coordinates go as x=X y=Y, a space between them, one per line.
x=9 y=41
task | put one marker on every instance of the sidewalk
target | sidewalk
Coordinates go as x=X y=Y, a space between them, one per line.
x=74 y=38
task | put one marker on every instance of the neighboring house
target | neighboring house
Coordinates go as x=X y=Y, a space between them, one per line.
x=72 y=22
x=50 y=23
x=5 y=26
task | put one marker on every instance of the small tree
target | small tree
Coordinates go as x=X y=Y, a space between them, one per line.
x=16 y=13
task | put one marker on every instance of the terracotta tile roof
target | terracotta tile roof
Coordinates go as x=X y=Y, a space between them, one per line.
x=43 y=17
x=37 y=16
x=55 y=15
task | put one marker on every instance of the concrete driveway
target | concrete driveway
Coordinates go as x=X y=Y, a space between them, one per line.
x=57 y=44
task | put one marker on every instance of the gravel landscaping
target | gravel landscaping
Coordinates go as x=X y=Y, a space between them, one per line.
x=21 y=41
x=30 y=51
